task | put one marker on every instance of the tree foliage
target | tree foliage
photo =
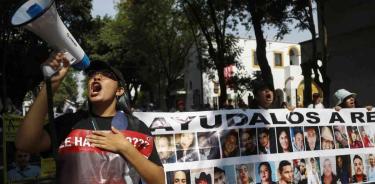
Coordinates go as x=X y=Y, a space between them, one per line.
x=22 y=52
x=212 y=19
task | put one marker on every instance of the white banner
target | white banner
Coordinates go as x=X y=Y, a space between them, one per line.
x=260 y=146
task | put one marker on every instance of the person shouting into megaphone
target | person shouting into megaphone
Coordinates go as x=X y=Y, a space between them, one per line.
x=101 y=145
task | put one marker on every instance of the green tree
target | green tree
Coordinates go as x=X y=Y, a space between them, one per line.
x=302 y=11
x=213 y=19
x=263 y=13
x=22 y=52
x=150 y=42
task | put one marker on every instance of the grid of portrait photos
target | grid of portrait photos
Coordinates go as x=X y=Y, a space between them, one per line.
x=232 y=143
x=357 y=168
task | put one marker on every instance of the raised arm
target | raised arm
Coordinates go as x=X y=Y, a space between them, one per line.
x=31 y=137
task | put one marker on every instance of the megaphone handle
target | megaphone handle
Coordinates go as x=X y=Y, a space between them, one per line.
x=48 y=71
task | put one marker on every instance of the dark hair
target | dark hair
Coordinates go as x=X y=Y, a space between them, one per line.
x=267 y=164
x=279 y=131
x=357 y=157
x=282 y=164
x=219 y=170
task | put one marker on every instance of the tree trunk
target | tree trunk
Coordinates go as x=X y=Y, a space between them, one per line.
x=324 y=44
x=261 y=45
x=223 y=86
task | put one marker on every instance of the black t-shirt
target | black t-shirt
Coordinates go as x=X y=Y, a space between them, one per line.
x=81 y=121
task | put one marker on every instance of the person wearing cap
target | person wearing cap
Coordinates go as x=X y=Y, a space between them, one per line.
x=316 y=102
x=95 y=145
x=346 y=99
x=203 y=178
x=327 y=138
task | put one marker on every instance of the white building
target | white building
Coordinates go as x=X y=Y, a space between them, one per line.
x=284 y=60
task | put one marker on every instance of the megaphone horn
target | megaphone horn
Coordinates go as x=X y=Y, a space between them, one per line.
x=41 y=18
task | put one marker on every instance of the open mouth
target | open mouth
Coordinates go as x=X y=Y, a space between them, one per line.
x=96 y=87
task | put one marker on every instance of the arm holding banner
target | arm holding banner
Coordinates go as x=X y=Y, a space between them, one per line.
x=31 y=137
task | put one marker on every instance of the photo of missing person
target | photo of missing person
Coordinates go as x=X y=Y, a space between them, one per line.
x=343 y=168
x=186 y=148
x=371 y=167
x=265 y=172
x=178 y=177
x=328 y=170
x=341 y=136
x=358 y=171
x=248 y=142
x=245 y=174
x=284 y=144
x=229 y=143
x=266 y=140
x=354 y=137
x=313 y=170
x=165 y=147
x=297 y=139
x=300 y=171
x=224 y=175
x=312 y=138
x=326 y=140
x=202 y=176
x=285 y=172
x=366 y=132
x=21 y=165
x=208 y=143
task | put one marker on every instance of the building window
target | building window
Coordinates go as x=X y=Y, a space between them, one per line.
x=255 y=60
x=293 y=57
x=278 y=59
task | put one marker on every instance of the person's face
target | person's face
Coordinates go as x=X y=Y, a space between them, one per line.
x=219 y=178
x=327 y=144
x=264 y=173
x=313 y=166
x=203 y=141
x=327 y=168
x=22 y=159
x=263 y=140
x=244 y=174
x=186 y=140
x=299 y=140
x=287 y=174
x=339 y=162
x=179 y=177
x=354 y=136
x=102 y=87
x=247 y=141
x=371 y=160
x=358 y=166
x=163 y=147
x=265 y=98
x=284 y=141
x=318 y=100
x=338 y=136
x=302 y=167
x=350 y=102
x=311 y=137
x=230 y=143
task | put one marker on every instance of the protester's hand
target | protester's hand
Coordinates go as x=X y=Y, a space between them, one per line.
x=338 y=108
x=112 y=141
x=60 y=64
x=369 y=107
x=291 y=107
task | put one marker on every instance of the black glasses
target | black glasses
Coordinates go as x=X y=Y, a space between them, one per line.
x=105 y=73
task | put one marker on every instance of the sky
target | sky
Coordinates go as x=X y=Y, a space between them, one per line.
x=103 y=7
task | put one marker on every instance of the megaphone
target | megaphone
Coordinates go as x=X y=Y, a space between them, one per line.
x=41 y=18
